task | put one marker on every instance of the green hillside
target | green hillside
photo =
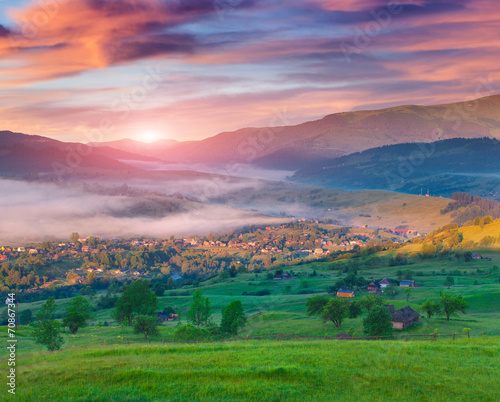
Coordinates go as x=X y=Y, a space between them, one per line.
x=106 y=361
x=442 y=167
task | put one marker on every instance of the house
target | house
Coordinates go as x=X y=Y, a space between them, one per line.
x=345 y=292
x=404 y=317
x=373 y=287
x=477 y=256
x=162 y=316
x=407 y=284
x=3 y=258
x=384 y=283
x=21 y=249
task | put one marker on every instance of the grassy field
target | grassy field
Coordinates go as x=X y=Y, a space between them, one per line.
x=460 y=370
x=283 y=310
x=103 y=363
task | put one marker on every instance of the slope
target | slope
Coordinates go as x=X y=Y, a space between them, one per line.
x=443 y=167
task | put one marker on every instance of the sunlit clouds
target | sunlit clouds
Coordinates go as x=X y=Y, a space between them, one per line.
x=220 y=65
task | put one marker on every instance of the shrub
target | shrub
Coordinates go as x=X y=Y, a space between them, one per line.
x=188 y=332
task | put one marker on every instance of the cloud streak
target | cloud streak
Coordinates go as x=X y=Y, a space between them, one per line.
x=230 y=69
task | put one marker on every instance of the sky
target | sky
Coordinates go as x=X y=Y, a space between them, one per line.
x=100 y=70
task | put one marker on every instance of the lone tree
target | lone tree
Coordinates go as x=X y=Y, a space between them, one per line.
x=407 y=293
x=200 y=311
x=146 y=324
x=430 y=308
x=452 y=304
x=335 y=311
x=47 y=331
x=449 y=281
x=77 y=314
x=314 y=305
x=137 y=299
x=378 y=322
x=233 y=318
x=328 y=309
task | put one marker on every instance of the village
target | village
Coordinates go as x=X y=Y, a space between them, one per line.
x=83 y=259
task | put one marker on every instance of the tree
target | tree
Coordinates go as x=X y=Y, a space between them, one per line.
x=77 y=314
x=316 y=304
x=354 y=309
x=169 y=310
x=233 y=318
x=452 y=304
x=137 y=299
x=407 y=293
x=199 y=312
x=449 y=281
x=47 y=331
x=159 y=290
x=391 y=291
x=335 y=311
x=74 y=237
x=378 y=322
x=370 y=301
x=146 y=324
x=430 y=308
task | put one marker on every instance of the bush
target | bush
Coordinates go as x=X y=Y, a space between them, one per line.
x=188 y=332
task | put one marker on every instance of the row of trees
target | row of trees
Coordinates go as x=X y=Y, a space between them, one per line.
x=135 y=307
x=378 y=320
x=233 y=315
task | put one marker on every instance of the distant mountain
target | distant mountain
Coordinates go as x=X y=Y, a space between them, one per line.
x=298 y=146
x=22 y=154
x=443 y=167
x=293 y=147
x=154 y=149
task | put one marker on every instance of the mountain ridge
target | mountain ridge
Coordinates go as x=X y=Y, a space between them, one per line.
x=443 y=167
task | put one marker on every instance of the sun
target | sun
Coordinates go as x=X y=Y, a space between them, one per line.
x=150 y=136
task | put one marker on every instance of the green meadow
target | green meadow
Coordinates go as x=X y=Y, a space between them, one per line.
x=108 y=362
x=460 y=370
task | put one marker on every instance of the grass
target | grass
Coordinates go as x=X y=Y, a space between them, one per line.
x=283 y=310
x=97 y=364
x=460 y=370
